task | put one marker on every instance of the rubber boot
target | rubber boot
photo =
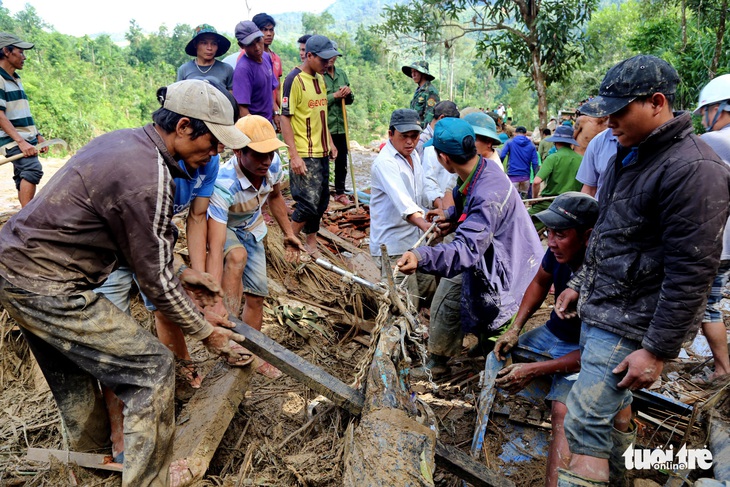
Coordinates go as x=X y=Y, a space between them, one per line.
x=483 y=346
x=616 y=463
x=566 y=478
x=437 y=364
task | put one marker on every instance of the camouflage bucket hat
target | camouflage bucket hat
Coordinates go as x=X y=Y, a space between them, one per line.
x=421 y=67
x=223 y=44
x=630 y=79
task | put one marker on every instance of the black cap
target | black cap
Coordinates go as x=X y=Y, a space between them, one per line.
x=520 y=130
x=630 y=79
x=570 y=210
x=445 y=108
x=321 y=46
x=405 y=120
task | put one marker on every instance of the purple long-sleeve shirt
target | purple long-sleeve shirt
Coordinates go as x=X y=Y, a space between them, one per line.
x=494 y=216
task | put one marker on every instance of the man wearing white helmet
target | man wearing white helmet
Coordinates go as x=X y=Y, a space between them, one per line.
x=715 y=112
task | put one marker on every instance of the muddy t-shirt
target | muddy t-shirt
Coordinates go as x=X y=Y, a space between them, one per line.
x=567 y=330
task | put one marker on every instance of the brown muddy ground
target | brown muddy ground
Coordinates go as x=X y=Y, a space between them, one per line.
x=258 y=447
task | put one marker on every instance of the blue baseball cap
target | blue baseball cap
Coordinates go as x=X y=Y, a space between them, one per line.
x=449 y=135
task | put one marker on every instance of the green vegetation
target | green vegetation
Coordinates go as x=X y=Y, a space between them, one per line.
x=82 y=87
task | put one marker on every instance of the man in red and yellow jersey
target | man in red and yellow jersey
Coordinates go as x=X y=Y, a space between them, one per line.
x=304 y=127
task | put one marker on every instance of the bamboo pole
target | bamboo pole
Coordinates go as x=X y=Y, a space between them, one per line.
x=349 y=154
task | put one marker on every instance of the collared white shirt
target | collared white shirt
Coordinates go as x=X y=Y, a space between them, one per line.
x=397 y=192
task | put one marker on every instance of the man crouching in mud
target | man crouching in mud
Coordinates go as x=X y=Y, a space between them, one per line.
x=653 y=254
x=112 y=204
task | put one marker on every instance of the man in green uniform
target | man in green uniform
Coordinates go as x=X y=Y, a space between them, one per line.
x=426 y=95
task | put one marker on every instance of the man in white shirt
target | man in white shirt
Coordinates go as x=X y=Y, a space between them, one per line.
x=397 y=199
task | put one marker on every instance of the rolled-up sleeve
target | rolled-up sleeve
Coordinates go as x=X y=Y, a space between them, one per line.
x=393 y=185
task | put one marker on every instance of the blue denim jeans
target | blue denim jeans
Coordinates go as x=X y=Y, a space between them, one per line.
x=595 y=398
x=543 y=341
x=254 y=274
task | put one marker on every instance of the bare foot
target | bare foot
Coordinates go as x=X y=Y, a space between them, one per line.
x=190 y=373
x=266 y=369
x=183 y=472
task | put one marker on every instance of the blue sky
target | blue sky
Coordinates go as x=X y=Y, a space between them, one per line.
x=79 y=17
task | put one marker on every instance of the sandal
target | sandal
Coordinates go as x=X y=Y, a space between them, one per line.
x=189 y=372
x=343 y=199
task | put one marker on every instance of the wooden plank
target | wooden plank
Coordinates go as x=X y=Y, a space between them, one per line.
x=486 y=398
x=88 y=460
x=353 y=400
x=205 y=418
x=295 y=366
x=463 y=466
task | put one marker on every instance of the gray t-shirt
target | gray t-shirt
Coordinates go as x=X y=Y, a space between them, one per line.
x=220 y=71
x=719 y=140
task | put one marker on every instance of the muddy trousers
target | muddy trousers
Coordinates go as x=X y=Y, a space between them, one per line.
x=311 y=193
x=82 y=340
x=340 y=141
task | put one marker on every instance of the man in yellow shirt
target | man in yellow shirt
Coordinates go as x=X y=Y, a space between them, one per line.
x=304 y=127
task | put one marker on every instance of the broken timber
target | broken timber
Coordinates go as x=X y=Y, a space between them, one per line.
x=88 y=460
x=205 y=418
x=449 y=458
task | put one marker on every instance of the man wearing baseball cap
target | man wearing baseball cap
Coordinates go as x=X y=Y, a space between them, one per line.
x=569 y=220
x=236 y=226
x=116 y=200
x=397 y=199
x=652 y=256
x=495 y=247
x=305 y=131
x=205 y=46
x=253 y=79
x=18 y=133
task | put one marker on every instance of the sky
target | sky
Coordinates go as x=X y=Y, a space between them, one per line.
x=80 y=17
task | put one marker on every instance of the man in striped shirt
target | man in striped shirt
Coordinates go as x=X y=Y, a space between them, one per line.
x=305 y=131
x=236 y=226
x=18 y=133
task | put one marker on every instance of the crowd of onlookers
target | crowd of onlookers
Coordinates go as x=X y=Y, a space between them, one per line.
x=631 y=203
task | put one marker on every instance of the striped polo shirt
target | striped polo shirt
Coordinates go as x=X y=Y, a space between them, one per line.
x=15 y=105
x=237 y=203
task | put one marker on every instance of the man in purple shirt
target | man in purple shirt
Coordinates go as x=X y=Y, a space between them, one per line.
x=253 y=78
x=495 y=245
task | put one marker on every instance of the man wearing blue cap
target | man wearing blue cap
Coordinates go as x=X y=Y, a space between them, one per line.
x=305 y=132
x=558 y=172
x=495 y=245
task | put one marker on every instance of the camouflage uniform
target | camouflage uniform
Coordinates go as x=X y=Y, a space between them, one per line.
x=426 y=96
x=424 y=99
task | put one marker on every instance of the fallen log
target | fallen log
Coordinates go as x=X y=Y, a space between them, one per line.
x=205 y=418
x=389 y=446
x=353 y=401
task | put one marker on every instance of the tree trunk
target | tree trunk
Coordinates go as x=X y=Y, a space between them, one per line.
x=684 y=25
x=719 y=39
x=539 y=78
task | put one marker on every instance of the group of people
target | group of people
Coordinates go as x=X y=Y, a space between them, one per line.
x=68 y=282
x=634 y=236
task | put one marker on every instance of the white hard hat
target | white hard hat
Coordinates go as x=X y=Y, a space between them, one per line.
x=716 y=91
